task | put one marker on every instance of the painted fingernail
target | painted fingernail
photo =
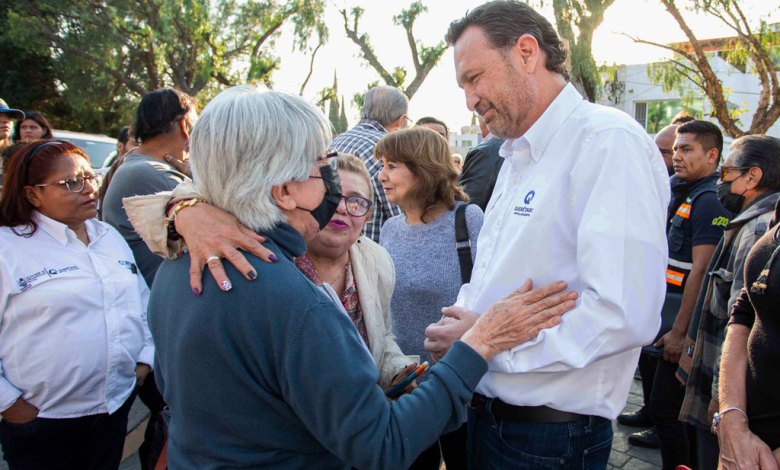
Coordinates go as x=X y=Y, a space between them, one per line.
x=226 y=286
x=252 y=275
x=273 y=258
x=196 y=291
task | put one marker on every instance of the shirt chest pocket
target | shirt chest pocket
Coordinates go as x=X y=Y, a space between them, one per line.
x=721 y=280
x=122 y=291
x=676 y=235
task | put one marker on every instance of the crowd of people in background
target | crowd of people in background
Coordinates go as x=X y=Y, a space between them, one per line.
x=265 y=287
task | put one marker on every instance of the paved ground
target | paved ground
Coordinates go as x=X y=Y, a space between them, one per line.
x=623 y=456
x=629 y=457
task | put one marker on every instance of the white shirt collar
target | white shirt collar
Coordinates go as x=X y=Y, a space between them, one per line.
x=542 y=131
x=60 y=231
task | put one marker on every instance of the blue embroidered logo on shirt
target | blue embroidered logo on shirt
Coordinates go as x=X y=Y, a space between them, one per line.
x=526 y=211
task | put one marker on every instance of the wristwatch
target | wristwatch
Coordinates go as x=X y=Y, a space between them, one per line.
x=718 y=415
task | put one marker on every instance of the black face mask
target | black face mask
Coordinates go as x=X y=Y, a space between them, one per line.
x=731 y=202
x=324 y=212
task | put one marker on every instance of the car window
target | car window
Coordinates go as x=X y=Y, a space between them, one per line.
x=97 y=151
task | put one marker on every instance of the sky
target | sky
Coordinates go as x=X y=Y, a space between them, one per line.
x=439 y=95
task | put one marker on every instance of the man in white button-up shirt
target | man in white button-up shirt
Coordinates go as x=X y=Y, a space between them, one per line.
x=581 y=197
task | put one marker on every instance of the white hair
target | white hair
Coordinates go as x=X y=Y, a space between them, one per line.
x=246 y=141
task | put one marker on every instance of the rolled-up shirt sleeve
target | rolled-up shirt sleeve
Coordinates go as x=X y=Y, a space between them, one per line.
x=621 y=255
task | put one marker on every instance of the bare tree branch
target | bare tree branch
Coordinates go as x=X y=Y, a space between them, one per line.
x=311 y=68
x=366 y=49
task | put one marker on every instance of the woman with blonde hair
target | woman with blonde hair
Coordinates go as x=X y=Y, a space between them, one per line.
x=418 y=175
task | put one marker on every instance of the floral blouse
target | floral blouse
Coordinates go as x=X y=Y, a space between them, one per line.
x=349 y=298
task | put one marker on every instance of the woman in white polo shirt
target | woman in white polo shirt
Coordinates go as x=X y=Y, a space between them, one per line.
x=74 y=340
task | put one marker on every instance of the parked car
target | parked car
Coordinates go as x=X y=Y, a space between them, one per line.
x=99 y=147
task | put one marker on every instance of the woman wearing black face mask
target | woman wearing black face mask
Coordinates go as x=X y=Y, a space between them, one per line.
x=274 y=374
x=749 y=186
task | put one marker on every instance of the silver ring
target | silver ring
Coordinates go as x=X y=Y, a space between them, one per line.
x=211 y=258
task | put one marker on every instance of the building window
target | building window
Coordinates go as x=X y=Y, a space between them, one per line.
x=640 y=113
x=655 y=115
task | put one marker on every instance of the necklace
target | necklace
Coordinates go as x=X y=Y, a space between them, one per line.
x=332 y=281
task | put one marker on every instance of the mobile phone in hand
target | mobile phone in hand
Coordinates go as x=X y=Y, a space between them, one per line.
x=396 y=390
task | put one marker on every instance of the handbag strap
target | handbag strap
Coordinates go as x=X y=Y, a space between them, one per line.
x=463 y=243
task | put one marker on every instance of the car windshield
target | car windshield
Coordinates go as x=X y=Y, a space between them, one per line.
x=97 y=151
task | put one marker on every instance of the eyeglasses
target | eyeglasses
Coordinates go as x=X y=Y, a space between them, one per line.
x=356 y=206
x=724 y=170
x=330 y=161
x=76 y=184
x=328 y=156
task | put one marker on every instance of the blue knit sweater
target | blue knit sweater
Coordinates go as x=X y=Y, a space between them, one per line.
x=427 y=273
x=273 y=375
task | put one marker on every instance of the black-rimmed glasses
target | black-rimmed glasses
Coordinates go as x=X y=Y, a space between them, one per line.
x=77 y=183
x=357 y=206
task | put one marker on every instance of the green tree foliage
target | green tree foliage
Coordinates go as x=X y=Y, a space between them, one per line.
x=106 y=53
x=750 y=49
x=335 y=109
x=424 y=58
x=576 y=21
x=27 y=78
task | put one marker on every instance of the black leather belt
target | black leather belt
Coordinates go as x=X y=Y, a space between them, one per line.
x=521 y=414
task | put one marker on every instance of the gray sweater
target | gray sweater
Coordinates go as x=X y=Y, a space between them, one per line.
x=139 y=175
x=427 y=272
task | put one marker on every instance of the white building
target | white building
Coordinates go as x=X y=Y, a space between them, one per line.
x=633 y=92
x=469 y=137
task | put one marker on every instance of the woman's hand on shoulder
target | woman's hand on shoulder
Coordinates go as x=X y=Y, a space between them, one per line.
x=212 y=234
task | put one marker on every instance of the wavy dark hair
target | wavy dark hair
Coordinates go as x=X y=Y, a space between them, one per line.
x=39 y=118
x=427 y=155
x=31 y=164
